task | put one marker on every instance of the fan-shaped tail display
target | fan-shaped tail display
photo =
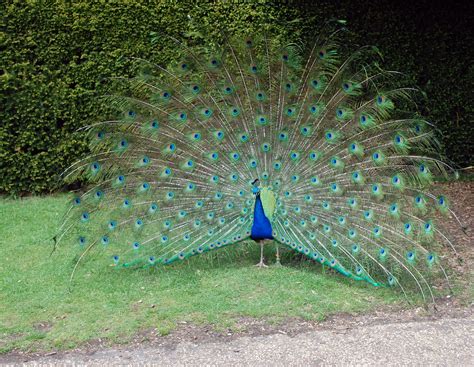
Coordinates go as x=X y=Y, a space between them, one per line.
x=343 y=172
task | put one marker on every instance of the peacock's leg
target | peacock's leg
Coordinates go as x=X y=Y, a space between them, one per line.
x=277 y=262
x=261 y=264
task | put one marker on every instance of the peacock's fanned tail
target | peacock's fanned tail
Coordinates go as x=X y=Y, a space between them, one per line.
x=172 y=176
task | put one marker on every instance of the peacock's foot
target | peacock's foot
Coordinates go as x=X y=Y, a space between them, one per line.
x=261 y=265
x=277 y=263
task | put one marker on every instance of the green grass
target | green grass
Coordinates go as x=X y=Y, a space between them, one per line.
x=39 y=311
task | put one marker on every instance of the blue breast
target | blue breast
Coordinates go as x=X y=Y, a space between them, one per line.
x=261 y=227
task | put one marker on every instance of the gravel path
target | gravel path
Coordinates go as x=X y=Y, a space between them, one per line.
x=446 y=341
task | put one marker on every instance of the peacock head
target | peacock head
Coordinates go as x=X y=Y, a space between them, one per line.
x=255 y=188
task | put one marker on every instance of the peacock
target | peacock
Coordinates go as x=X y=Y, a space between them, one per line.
x=259 y=140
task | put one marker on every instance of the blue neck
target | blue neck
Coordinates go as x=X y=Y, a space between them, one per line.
x=261 y=227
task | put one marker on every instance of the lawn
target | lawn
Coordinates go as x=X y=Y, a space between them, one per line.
x=41 y=310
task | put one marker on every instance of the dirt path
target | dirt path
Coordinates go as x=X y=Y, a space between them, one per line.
x=400 y=338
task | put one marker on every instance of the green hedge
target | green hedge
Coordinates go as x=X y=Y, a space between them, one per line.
x=57 y=55
x=430 y=42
